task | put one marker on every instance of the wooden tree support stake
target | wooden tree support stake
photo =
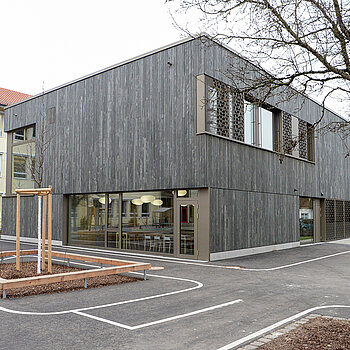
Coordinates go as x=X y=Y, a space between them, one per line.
x=44 y=192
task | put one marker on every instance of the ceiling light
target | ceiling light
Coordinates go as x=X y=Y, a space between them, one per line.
x=148 y=198
x=137 y=201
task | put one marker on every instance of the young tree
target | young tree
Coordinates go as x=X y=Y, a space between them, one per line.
x=38 y=149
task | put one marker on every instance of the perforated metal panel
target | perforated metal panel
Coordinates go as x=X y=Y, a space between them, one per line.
x=339 y=219
x=330 y=220
x=287 y=132
x=302 y=126
x=225 y=111
x=347 y=218
x=237 y=105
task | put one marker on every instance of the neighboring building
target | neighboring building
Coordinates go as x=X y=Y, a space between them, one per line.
x=7 y=97
x=159 y=154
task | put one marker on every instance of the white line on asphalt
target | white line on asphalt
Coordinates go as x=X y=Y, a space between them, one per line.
x=198 y=285
x=298 y=263
x=132 y=328
x=173 y=260
x=103 y=320
x=279 y=324
x=188 y=314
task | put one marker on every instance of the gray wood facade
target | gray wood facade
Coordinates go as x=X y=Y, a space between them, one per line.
x=133 y=127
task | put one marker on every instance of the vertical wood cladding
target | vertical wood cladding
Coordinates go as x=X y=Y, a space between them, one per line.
x=242 y=219
x=129 y=128
x=29 y=216
x=133 y=128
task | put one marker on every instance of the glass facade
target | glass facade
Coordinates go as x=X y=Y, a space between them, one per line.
x=87 y=219
x=148 y=222
x=138 y=221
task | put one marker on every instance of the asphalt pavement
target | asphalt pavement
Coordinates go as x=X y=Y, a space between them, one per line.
x=187 y=305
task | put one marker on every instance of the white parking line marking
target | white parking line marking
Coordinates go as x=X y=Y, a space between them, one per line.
x=188 y=314
x=191 y=262
x=132 y=328
x=103 y=320
x=290 y=265
x=198 y=285
x=268 y=329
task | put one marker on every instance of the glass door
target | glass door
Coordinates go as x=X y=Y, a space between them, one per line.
x=186 y=228
x=306 y=220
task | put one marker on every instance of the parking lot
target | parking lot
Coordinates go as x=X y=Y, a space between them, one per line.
x=187 y=305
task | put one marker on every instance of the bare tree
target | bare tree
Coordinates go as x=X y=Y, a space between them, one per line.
x=305 y=43
x=38 y=149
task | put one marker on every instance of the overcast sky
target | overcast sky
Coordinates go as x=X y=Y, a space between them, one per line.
x=46 y=43
x=55 y=41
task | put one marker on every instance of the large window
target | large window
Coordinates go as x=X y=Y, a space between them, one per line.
x=225 y=111
x=135 y=220
x=22 y=155
x=248 y=123
x=19 y=167
x=260 y=126
x=87 y=219
x=266 y=129
x=148 y=224
x=298 y=137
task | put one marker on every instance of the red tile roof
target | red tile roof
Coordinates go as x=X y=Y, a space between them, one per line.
x=8 y=97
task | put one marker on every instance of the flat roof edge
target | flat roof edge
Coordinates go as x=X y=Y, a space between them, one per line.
x=160 y=49
x=149 y=53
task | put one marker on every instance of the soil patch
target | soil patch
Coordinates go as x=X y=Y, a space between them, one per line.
x=29 y=269
x=318 y=333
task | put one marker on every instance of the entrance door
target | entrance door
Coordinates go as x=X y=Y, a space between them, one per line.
x=186 y=228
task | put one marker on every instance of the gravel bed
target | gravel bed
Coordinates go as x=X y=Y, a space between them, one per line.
x=317 y=333
x=29 y=269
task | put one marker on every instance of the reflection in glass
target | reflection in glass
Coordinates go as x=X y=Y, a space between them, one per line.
x=306 y=220
x=87 y=219
x=187 y=229
x=148 y=226
x=113 y=221
x=248 y=123
x=23 y=160
x=187 y=193
x=266 y=129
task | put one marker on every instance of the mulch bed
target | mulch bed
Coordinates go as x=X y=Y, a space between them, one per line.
x=29 y=269
x=318 y=333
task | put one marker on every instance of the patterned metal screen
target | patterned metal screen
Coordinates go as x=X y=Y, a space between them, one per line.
x=337 y=219
x=347 y=218
x=287 y=132
x=330 y=220
x=225 y=116
x=303 y=128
